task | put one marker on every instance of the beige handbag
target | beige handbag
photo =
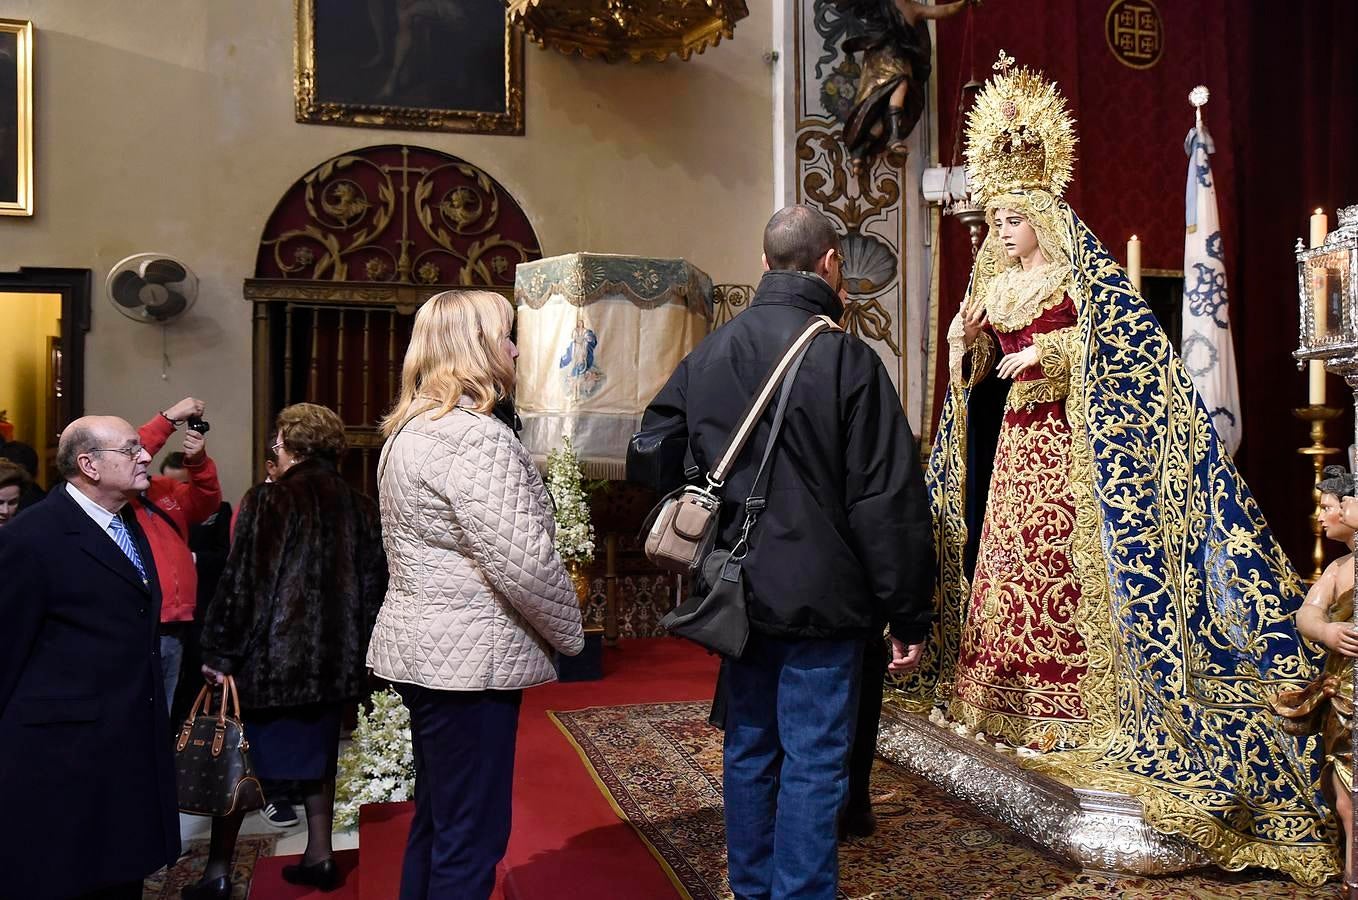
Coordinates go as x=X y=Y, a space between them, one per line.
x=682 y=527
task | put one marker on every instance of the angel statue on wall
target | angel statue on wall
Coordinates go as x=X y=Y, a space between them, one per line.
x=894 y=40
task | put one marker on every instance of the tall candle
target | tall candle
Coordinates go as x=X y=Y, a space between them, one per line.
x=1134 y=262
x=1320 y=226
x=1317 y=391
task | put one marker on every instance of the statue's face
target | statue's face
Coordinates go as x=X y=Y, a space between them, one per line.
x=1348 y=512
x=1016 y=235
x=1331 y=519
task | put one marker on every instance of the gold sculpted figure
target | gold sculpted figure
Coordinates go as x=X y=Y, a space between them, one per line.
x=1326 y=704
x=896 y=65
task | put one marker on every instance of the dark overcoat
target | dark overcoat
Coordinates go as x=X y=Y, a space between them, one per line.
x=86 y=769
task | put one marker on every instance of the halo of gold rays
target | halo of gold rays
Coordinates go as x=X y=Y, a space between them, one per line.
x=1020 y=136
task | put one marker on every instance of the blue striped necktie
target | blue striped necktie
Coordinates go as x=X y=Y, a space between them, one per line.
x=123 y=538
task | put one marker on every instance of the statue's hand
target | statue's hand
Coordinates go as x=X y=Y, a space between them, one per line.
x=1015 y=364
x=1341 y=638
x=974 y=322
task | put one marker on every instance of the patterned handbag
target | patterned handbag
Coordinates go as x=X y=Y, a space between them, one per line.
x=212 y=758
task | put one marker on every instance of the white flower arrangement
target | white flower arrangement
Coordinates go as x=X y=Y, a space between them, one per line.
x=378 y=766
x=565 y=482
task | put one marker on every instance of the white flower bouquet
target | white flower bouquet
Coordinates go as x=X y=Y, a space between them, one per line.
x=378 y=766
x=565 y=482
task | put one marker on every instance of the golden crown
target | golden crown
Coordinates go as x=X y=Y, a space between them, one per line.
x=1020 y=137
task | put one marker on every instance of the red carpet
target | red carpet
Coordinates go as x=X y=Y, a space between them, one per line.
x=567 y=842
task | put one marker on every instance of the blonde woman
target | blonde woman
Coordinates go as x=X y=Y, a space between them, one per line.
x=477 y=600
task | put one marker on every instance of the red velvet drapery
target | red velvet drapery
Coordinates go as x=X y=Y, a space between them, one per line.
x=1284 y=115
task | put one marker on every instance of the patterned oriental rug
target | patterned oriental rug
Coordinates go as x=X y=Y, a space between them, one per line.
x=250 y=848
x=659 y=765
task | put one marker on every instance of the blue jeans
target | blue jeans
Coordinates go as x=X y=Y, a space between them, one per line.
x=171 y=658
x=791 y=708
x=463 y=742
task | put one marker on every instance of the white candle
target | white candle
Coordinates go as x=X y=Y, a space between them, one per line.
x=1134 y=262
x=1317 y=392
x=1320 y=226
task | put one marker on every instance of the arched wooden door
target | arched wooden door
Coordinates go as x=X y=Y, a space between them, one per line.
x=349 y=253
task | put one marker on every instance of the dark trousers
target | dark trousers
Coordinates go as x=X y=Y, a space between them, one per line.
x=791 y=709
x=463 y=743
x=875 y=659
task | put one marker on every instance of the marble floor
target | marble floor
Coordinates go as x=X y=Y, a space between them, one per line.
x=291 y=841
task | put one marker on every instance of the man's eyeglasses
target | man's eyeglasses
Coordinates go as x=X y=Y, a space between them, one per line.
x=131 y=452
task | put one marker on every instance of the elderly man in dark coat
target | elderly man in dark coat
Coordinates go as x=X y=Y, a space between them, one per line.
x=85 y=758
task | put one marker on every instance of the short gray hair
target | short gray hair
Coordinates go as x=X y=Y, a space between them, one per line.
x=797 y=237
x=76 y=440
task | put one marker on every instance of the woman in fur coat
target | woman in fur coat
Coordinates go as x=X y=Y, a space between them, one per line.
x=290 y=621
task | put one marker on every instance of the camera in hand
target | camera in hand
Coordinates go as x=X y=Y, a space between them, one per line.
x=196 y=423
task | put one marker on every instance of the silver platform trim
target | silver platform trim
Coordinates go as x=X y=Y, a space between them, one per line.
x=1100 y=832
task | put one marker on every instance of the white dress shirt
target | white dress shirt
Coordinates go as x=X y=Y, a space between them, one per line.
x=102 y=517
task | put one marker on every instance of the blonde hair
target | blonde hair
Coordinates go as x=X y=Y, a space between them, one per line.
x=455 y=352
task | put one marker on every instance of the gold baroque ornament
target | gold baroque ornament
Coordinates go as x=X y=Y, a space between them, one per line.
x=614 y=30
x=377 y=92
x=1135 y=33
x=1020 y=137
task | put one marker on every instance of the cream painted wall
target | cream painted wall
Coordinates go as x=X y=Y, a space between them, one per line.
x=167 y=125
x=29 y=320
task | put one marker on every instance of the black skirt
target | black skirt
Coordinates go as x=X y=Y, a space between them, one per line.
x=295 y=743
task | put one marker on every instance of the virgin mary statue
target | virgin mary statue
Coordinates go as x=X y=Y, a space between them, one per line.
x=1126 y=613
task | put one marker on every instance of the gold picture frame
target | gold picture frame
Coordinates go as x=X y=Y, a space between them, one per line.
x=16 y=117
x=352 y=69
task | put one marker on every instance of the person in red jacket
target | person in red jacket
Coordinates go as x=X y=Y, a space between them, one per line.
x=166 y=511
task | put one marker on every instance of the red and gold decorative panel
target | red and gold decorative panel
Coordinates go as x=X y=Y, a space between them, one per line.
x=396 y=214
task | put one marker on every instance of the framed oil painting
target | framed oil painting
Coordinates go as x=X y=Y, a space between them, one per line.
x=16 y=118
x=442 y=65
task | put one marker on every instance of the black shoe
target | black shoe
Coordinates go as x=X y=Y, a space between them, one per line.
x=207 y=889
x=857 y=823
x=324 y=874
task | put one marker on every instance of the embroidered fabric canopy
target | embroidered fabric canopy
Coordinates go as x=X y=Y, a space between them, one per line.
x=598 y=336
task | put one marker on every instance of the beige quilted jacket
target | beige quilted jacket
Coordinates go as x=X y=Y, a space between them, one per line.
x=477 y=595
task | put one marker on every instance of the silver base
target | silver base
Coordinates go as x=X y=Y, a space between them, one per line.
x=1098 y=831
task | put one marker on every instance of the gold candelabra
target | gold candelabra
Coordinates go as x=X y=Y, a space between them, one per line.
x=1317 y=415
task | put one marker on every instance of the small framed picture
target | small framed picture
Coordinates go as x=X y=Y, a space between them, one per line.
x=16 y=118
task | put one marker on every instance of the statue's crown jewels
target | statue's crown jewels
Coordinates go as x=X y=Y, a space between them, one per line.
x=1020 y=136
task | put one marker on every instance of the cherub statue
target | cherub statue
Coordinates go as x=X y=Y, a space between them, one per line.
x=896 y=65
x=1326 y=704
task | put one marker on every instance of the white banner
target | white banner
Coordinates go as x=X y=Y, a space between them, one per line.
x=1206 y=347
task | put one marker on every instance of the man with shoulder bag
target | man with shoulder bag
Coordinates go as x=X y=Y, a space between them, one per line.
x=824 y=513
